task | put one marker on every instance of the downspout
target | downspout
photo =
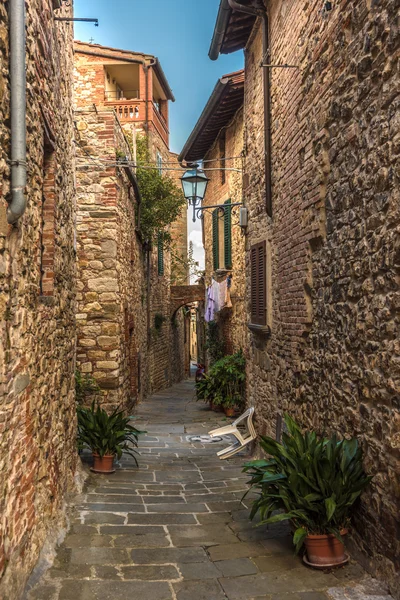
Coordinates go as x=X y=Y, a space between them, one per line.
x=146 y=74
x=234 y=4
x=17 y=204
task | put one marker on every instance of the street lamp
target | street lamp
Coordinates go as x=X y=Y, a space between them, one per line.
x=194 y=184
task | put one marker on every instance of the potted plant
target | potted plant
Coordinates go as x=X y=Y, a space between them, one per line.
x=106 y=435
x=315 y=482
x=227 y=384
x=202 y=391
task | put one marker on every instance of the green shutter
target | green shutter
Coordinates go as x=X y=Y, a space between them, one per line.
x=215 y=240
x=228 y=235
x=160 y=254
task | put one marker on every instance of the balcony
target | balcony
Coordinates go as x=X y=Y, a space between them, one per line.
x=120 y=94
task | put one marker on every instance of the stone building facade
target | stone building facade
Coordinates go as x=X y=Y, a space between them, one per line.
x=130 y=94
x=217 y=139
x=38 y=457
x=111 y=307
x=325 y=347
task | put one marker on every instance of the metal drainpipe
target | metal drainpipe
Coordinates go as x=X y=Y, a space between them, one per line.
x=17 y=205
x=266 y=92
x=146 y=74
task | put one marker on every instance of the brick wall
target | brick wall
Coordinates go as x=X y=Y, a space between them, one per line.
x=224 y=185
x=38 y=455
x=332 y=357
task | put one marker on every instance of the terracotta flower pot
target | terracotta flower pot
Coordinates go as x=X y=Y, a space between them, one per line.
x=325 y=550
x=229 y=411
x=103 y=464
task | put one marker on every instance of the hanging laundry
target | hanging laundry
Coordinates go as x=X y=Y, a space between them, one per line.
x=215 y=286
x=211 y=302
x=228 y=302
x=222 y=294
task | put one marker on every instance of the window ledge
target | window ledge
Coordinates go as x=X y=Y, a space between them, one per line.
x=221 y=272
x=264 y=330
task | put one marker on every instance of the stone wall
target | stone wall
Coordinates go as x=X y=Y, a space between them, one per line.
x=38 y=455
x=111 y=302
x=148 y=300
x=224 y=185
x=332 y=269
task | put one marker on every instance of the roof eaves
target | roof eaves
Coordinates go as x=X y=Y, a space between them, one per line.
x=221 y=25
x=213 y=101
x=164 y=81
x=231 y=80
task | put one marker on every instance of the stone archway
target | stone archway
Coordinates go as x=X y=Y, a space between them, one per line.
x=182 y=295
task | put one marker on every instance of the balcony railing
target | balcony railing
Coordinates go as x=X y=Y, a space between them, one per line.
x=126 y=110
x=109 y=96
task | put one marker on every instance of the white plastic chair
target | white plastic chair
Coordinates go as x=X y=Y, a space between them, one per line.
x=242 y=439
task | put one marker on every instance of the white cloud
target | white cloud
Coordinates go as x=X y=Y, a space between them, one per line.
x=195 y=236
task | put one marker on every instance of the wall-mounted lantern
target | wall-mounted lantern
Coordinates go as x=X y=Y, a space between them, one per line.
x=194 y=185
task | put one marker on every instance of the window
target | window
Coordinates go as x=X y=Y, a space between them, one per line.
x=160 y=254
x=215 y=238
x=159 y=163
x=222 y=237
x=258 y=284
x=228 y=235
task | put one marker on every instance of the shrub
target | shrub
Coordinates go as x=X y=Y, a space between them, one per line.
x=315 y=481
x=225 y=382
x=106 y=434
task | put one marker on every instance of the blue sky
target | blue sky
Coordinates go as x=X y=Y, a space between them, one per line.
x=179 y=33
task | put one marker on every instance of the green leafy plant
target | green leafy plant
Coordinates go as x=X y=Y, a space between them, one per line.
x=214 y=343
x=225 y=382
x=162 y=199
x=202 y=391
x=84 y=386
x=314 y=480
x=106 y=434
x=120 y=155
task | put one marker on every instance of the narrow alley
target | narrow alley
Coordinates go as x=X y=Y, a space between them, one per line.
x=175 y=528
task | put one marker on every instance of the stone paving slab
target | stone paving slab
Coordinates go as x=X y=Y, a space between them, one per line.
x=175 y=528
x=113 y=590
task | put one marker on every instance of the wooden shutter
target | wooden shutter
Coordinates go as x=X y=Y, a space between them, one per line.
x=215 y=239
x=160 y=254
x=228 y=235
x=258 y=284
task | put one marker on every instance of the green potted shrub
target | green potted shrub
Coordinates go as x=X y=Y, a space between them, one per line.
x=227 y=382
x=315 y=482
x=106 y=435
x=202 y=391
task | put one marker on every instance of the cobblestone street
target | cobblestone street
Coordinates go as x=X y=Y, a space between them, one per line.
x=175 y=527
